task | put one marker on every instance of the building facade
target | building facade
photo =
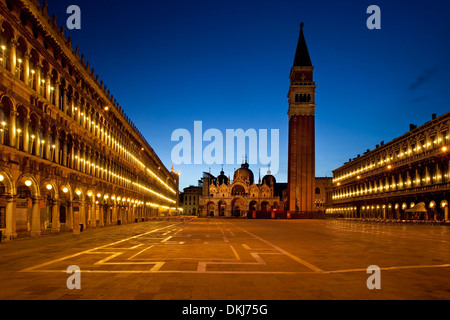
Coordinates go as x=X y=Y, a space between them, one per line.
x=322 y=200
x=223 y=197
x=189 y=200
x=391 y=181
x=301 y=145
x=70 y=158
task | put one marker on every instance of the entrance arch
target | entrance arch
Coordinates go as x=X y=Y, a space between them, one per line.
x=237 y=207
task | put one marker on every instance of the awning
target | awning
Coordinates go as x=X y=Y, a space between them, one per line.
x=420 y=207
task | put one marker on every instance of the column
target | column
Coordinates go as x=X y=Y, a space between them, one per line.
x=26 y=67
x=26 y=138
x=48 y=85
x=64 y=161
x=47 y=147
x=37 y=80
x=12 y=129
x=69 y=216
x=55 y=216
x=93 y=220
x=63 y=99
x=56 y=93
x=12 y=56
x=35 y=218
x=76 y=220
x=55 y=149
x=10 y=232
x=83 y=213
x=101 y=209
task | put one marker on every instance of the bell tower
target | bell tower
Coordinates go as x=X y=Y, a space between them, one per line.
x=301 y=158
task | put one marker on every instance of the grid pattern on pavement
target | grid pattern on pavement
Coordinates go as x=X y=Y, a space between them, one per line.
x=194 y=247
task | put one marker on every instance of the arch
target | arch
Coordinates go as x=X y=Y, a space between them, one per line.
x=7 y=180
x=222 y=206
x=238 y=189
x=8 y=126
x=50 y=187
x=33 y=187
x=66 y=191
x=237 y=206
x=210 y=208
x=6 y=33
x=264 y=205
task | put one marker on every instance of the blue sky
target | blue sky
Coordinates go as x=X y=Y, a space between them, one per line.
x=227 y=63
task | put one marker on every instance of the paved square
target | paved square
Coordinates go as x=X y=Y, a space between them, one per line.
x=232 y=259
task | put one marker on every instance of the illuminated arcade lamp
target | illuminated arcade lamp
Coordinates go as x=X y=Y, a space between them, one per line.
x=78 y=192
x=1 y=178
x=65 y=189
x=49 y=187
x=28 y=183
x=89 y=194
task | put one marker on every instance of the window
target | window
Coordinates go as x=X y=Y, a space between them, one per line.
x=317 y=190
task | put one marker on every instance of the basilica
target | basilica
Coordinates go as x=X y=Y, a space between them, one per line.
x=222 y=196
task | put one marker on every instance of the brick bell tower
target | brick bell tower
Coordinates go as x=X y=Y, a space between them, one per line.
x=301 y=158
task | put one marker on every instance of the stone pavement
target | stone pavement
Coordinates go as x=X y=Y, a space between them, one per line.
x=231 y=259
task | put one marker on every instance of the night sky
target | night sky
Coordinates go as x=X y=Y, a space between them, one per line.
x=227 y=64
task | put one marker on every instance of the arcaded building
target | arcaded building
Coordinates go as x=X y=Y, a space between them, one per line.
x=70 y=158
x=406 y=178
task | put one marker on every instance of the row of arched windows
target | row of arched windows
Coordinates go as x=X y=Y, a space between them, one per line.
x=58 y=86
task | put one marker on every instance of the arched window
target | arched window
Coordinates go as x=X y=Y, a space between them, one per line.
x=238 y=190
x=317 y=190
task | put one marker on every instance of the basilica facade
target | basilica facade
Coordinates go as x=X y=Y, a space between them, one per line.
x=225 y=197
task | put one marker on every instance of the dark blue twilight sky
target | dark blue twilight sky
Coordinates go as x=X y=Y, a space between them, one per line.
x=226 y=63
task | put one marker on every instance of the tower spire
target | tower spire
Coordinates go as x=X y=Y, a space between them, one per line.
x=302 y=58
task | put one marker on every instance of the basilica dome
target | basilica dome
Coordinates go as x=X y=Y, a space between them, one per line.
x=269 y=180
x=244 y=173
x=222 y=178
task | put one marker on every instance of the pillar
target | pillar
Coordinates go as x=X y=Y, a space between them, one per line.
x=55 y=149
x=12 y=56
x=69 y=216
x=37 y=79
x=35 y=218
x=48 y=85
x=10 y=231
x=93 y=215
x=55 y=216
x=26 y=138
x=47 y=148
x=56 y=93
x=114 y=215
x=83 y=213
x=26 y=67
x=12 y=129
x=101 y=209
x=76 y=220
